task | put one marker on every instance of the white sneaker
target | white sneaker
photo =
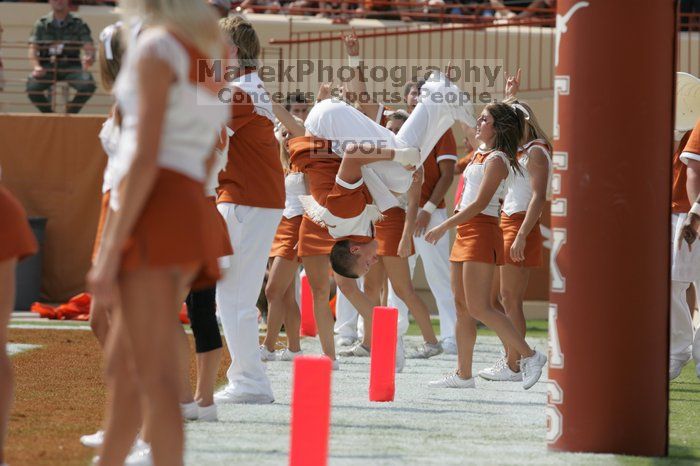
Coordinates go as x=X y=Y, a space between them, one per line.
x=336 y=365
x=400 y=355
x=449 y=346
x=345 y=341
x=207 y=413
x=531 y=369
x=675 y=367
x=190 y=411
x=288 y=355
x=140 y=457
x=266 y=355
x=500 y=372
x=357 y=351
x=426 y=350
x=93 y=440
x=453 y=381
x=225 y=396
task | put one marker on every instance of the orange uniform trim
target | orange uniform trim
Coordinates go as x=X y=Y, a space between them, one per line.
x=510 y=225
x=479 y=240
x=178 y=226
x=388 y=232
x=16 y=237
x=287 y=238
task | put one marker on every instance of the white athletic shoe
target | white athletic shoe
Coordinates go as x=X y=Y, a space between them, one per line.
x=452 y=381
x=207 y=413
x=531 y=369
x=400 y=355
x=500 y=372
x=336 y=365
x=449 y=346
x=138 y=446
x=426 y=350
x=141 y=457
x=675 y=367
x=287 y=355
x=93 y=440
x=266 y=355
x=225 y=396
x=190 y=411
x=345 y=341
x=357 y=351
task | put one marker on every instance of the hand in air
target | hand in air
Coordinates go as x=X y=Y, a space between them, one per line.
x=513 y=84
x=352 y=43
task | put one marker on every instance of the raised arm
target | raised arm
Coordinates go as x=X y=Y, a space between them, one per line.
x=357 y=84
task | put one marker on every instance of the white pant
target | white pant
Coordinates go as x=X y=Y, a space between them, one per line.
x=339 y=122
x=685 y=269
x=436 y=262
x=252 y=230
x=348 y=322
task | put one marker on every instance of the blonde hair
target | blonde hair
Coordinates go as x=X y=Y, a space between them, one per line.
x=194 y=20
x=243 y=36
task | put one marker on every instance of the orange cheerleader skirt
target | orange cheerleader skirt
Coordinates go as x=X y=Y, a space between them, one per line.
x=104 y=208
x=533 y=243
x=388 y=232
x=16 y=238
x=479 y=240
x=314 y=240
x=178 y=226
x=286 y=238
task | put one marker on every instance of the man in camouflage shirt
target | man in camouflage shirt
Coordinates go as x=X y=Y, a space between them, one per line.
x=54 y=51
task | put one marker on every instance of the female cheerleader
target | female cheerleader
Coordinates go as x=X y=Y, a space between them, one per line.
x=147 y=260
x=520 y=222
x=280 y=290
x=16 y=242
x=478 y=248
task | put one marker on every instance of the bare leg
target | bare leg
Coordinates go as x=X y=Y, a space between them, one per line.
x=478 y=279
x=359 y=300
x=99 y=322
x=513 y=286
x=281 y=278
x=317 y=268
x=400 y=276
x=7 y=302
x=150 y=299
x=207 y=370
x=465 y=332
x=123 y=416
x=184 y=349
x=374 y=282
x=292 y=318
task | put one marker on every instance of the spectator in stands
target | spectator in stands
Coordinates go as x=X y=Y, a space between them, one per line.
x=55 y=47
x=222 y=7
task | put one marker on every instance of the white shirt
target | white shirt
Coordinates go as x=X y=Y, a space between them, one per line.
x=109 y=138
x=474 y=175
x=193 y=115
x=519 y=190
x=294 y=186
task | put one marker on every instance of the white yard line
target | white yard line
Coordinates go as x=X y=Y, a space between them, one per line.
x=16 y=348
x=497 y=423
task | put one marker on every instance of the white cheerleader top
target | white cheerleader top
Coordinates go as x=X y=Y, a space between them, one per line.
x=109 y=138
x=474 y=175
x=519 y=190
x=194 y=115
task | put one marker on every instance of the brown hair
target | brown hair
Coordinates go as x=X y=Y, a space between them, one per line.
x=342 y=260
x=109 y=69
x=400 y=115
x=508 y=126
x=243 y=36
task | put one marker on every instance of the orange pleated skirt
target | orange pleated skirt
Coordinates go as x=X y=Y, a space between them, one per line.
x=286 y=238
x=178 y=226
x=510 y=225
x=16 y=237
x=479 y=240
x=388 y=232
x=314 y=240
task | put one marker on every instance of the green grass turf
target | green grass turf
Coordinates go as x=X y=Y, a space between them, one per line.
x=684 y=447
